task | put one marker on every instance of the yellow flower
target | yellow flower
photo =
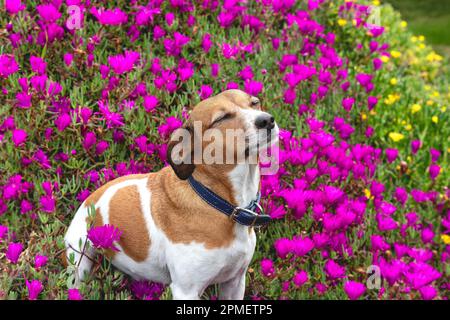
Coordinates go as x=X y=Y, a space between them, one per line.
x=435 y=94
x=367 y=193
x=422 y=46
x=395 y=54
x=445 y=238
x=443 y=109
x=408 y=159
x=391 y=99
x=430 y=102
x=403 y=24
x=421 y=38
x=408 y=127
x=416 y=108
x=394 y=81
x=342 y=22
x=414 y=39
x=395 y=136
x=384 y=58
x=435 y=119
x=427 y=87
x=376 y=3
x=363 y=116
x=432 y=57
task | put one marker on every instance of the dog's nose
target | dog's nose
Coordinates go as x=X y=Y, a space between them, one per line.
x=265 y=121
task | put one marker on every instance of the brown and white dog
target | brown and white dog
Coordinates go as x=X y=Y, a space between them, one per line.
x=169 y=234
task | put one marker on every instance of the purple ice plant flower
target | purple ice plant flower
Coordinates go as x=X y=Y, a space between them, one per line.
x=14 y=6
x=354 y=290
x=3 y=232
x=8 y=65
x=334 y=270
x=104 y=236
x=123 y=63
x=34 y=289
x=40 y=261
x=74 y=294
x=19 y=137
x=267 y=267
x=13 y=252
x=300 y=278
x=111 y=17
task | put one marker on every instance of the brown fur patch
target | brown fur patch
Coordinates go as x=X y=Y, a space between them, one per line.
x=125 y=213
x=183 y=216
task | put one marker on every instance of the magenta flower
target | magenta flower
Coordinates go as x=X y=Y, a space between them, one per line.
x=19 y=137
x=391 y=155
x=101 y=147
x=283 y=247
x=38 y=65
x=334 y=270
x=123 y=63
x=371 y=102
x=74 y=294
x=415 y=145
x=40 y=261
x=206 y=43
x=300 y=278
x=104 y=236
x=23 y=100
x=427 y=235
x=354 y=289
x=166 y=129
x=89 y=140
x=253 y=88
x=428 y=292
x=401 y=195
x=302 y=246
x=48 y=13
x=378 y=243
x=48 y=203
x=113 y=17
x=147 y=290
x=34 y=289
x=434 y=171
x=267 y=267
x=205 y=92
x=3 y=232
x=435 y=154
x=63 y=121
x=8 y=65
x=13 y=252
x=14 y=6
x=347 y=103
x=150 y=103
x=68 y=58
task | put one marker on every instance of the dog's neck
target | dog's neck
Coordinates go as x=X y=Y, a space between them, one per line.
x=238 y=186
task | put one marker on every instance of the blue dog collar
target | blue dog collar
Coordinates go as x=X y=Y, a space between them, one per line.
x=245 y=216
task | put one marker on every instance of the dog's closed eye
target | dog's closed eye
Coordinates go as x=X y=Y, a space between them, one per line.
x=221 y=118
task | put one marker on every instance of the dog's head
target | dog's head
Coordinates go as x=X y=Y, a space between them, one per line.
x=222 y=131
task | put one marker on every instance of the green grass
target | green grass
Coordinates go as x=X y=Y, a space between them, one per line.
x=430 y=18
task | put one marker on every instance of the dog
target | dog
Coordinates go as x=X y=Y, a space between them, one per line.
x=172 y=232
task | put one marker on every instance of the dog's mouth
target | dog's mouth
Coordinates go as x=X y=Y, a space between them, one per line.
x=263 y=141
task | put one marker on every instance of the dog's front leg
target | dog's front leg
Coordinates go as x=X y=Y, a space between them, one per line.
x=233 y=289
x=183 y=292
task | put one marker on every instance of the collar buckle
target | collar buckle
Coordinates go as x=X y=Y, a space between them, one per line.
x=235 y=213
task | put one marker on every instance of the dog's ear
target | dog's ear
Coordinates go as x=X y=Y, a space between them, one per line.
x=180 y=151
